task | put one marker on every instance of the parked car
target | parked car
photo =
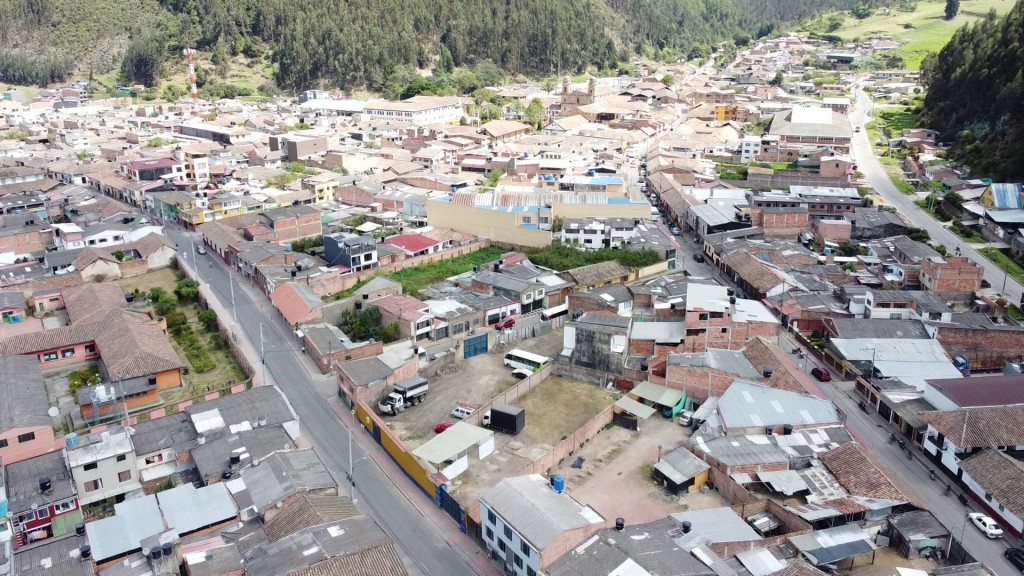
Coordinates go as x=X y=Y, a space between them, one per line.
x=685 y=418
x=1016 y=557
x=698 y=256
x=505 y=324
x=200 y=249
x=822 y=374
x=443 y=426
x=521 y=373
x=462 y=411
x=986 y=524
x=675 y=231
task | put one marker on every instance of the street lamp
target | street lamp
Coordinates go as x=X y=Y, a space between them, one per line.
x=963 y=529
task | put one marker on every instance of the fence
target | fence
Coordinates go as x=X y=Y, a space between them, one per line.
x=570 y=444
x=513 y=394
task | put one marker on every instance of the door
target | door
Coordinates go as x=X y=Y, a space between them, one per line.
x=474 y=346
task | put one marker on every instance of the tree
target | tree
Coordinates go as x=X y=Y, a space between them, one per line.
x=668 y=80
x=143 y=61
x=549 y=84
x=465 y=81
x=777 y=79
x=952 y=9
x=490 y=112
x=165 y=305
x=186 y=290
x=535 y=113
x=208 y=318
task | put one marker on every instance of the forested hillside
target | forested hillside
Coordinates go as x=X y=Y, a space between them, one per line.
x=363 y=42
x=976 y=95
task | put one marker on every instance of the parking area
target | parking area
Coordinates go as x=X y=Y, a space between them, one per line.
x=616 y=478
x=477 y=381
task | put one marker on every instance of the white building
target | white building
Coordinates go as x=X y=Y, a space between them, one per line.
x=421 y=110
x=103 y=465
x=529 y=522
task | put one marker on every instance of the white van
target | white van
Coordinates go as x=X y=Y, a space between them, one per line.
x=463 y=411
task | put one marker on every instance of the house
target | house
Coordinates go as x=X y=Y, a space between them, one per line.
x=953 y=435
x=993 y=478
x=103 y=465
x=368 y=379
x=917 y=532
x=528 y=525
x=597 y=342
x=259 y=489
x=293 y=223
x=357 y=253
x=414 y=244
x=163 y=446
x=25 y=428
x=681 y=470
x=597 y=275
x=41 y=500
x=812 y=127
x=751 y=408
x=54 y=556
x=12 y=307
x=327 y=345
x=229 y=454
x=529 y=293
x=420 y=110
x=716 y=319
x=412 y=316
x=253 y=408
x=951 y=275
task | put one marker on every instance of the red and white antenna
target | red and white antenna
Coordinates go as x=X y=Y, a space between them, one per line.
x=190 y=56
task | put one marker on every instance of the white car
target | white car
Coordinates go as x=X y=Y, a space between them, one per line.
x=986 y=524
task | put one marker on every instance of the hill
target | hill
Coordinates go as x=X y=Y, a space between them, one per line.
x=975 y=89
x=921 y=30
x=364 y=43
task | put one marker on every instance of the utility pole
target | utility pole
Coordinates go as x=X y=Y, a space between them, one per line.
x=234 y=314
x=263 y=358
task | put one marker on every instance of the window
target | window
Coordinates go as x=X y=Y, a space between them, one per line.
x=67 y=353
x=525 y=548
x=501 y=545
x=519 y=561
x=90 y=348
x=508 y=532
x=121 y=458
x=530 y=571
x=27 y=437
x=988 y=496
x=43 y=513
x=3 y=442
x=94 y=485
x=89 y=466
x=63 y=507
x=25 y=517
x=124 y=476
x=490 y=534
x=49 y=356
x=895 y=316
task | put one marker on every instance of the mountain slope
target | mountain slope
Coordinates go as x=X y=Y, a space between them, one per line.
x=363 y=42
x=975 y=90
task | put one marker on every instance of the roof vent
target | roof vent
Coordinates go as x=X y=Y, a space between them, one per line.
x=226 y=474
x=85 y=552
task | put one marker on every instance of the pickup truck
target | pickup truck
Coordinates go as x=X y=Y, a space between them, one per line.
x=408 y=392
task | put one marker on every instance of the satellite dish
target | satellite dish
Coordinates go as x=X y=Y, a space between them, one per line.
x=53 y=412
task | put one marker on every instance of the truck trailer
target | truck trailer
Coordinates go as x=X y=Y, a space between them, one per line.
x=408 y=392
x=504 y=418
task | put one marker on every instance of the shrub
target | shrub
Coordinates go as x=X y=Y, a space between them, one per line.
x=176 y=320
x=165 y=305
x=208 y=318
x=186 y=290
x=218 y=342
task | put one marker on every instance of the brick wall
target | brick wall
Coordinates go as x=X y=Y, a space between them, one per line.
x=26 y=242
x=985 y=349
x=513 y=394
x=792 y=525
x=955 y=275
x=568 y=447
x=780 y=224
x=698 y=381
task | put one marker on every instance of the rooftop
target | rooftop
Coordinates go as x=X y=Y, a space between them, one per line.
x=21 y=481
x=540 y=515
x=748 y=405
x=23 y=399
x=982 y=391
x=980 y=427
x=278 y=477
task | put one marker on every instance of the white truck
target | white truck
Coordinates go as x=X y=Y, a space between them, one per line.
x=408 y=392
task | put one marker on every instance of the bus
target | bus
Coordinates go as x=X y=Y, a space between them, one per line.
x=555 y=312
x=522 y=359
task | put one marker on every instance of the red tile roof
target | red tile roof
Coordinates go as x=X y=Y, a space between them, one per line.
x=980 y=427
x=851 y=466
x=411 y=242
x=152 y=164
x=983 y=391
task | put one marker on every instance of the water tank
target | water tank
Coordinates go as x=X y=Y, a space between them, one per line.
x=168 y=548
x=620 y=524
x=235 y=459
x=644 y=366
x=293 y=273
x=787 y=429
x=558 y=482
x=80 y=529
x=730 y=291
x=155 y=553
x=767 y=372
x=497 y=267
x=226 y=474
x=687 y=527
x=827 y=251
x=45 y=484
x=732 y=300
x=71 y=439
x=85 y=552
x=152 y=380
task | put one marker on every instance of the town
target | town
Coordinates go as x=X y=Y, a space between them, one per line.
x=710 y=319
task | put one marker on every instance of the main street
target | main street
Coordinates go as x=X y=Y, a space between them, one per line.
x=422 y=542
x=877 y=177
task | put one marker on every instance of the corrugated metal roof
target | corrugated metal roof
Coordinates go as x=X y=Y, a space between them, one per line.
x=749 y=405
x=658 y=394
x=533 y=509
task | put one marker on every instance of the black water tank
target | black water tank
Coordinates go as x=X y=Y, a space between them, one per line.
x=226 y=474
x=155 y=553
x=730 y=292
x=686 y=527
x=235 y=459
x=45 y=484
x=644 y=366
x=787 y=429
x=767 y=372
x=85 y=552
x=620 y=524
x=80 y=529
x=732 y=300
x=293 y=273
x=168 y=548
x=497 y=267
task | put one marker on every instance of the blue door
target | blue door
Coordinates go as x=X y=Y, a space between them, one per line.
x=474 y=346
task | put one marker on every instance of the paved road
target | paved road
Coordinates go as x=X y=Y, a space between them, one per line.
x=879 y=180
x=420 y=540
x=911 y=476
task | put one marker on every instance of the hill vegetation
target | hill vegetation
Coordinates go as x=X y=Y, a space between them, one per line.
x=975 y=89
x=366 y=43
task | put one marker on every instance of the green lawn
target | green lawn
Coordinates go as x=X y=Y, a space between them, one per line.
x=890 y=163
x=920 y=32
x=1004 y=262
x=419 y=277
x=897 y=119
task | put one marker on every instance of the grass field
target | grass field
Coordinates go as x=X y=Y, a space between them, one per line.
x=921 y=31
x=559 y=406
x=1004 y=262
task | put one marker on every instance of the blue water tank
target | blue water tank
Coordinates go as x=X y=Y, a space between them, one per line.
x=559 y=483
x=827 y=251
x=71 y=439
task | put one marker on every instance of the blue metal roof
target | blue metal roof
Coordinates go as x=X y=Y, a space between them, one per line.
x=1007 y=196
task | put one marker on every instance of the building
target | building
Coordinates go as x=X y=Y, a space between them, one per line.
x=597 y=342
x=103 y=466
x=12 y=307
x=25 y=428
x=681 y=471
x=163 y=446
x=751 y=408
x=813 y=128
x=420 y=110
x=41 y=501
x=527 y=524
x=951 y=275
x=716 y=319
x=994 y=479
x=293 y=223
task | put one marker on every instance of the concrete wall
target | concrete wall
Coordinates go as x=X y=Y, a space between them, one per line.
x=16 y=451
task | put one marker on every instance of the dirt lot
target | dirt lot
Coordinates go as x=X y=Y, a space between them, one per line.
x=480 y=380
x=559 y=406
x=616 y=478
x=165 y=278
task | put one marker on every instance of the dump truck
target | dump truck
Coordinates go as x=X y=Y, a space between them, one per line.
x=507 y=419
x=408 y=392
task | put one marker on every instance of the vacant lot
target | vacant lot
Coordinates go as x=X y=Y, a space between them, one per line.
x=166 y=278
x=559 y=406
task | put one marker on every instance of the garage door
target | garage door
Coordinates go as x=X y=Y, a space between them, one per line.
x=475 y=346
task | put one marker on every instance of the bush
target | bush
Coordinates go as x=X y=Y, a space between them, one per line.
x=208 y=318
x=156 y=293
x=165 y=305
x=186 y=290
x=217 y=341
x=176 y=320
